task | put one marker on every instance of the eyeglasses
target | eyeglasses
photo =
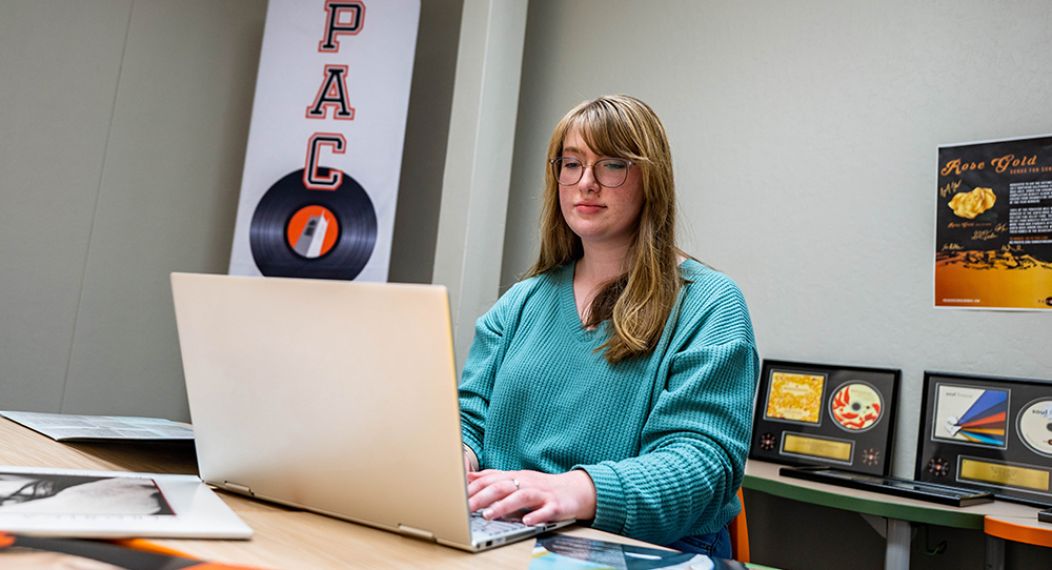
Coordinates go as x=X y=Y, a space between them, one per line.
x=608 y=172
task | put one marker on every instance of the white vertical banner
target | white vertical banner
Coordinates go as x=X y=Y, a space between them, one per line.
x=324 y=155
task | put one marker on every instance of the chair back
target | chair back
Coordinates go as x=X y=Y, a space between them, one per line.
x=739 y=531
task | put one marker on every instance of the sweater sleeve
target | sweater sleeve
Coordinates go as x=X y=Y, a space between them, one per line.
x=480 y=370
x=694 y=444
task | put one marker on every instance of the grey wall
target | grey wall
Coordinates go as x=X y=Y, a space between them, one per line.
x=120 y=158
x=122 y=133
x=804 y=136
x=427 y=129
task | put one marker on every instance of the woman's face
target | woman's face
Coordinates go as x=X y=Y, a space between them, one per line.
x=597 y=214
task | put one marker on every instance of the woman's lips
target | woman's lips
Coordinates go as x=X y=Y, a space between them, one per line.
x=588 y=208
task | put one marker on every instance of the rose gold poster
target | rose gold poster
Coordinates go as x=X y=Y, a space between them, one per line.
x=993 y=225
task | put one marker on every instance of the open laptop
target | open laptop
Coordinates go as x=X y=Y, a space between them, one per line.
x=332 y=396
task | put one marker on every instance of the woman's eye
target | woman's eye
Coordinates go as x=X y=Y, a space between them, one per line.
x=571 y=164
x=614 y=165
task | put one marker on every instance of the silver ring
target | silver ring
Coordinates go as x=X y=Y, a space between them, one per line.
x=516 y=483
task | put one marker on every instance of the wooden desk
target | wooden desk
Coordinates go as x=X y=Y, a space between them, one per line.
x=284 y=538
x=999 y=520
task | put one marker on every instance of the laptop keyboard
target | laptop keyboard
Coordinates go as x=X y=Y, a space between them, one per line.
x=482 y=528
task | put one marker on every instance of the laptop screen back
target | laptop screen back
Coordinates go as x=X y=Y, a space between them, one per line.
x=338 y=397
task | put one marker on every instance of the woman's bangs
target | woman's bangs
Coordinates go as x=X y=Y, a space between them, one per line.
x=604 y=135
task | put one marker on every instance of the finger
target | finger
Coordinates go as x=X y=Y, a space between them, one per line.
x=547 y=513
x=490 y=490
x=489 y=494
x=472 y=476
x=480 y=482
x=524 y=499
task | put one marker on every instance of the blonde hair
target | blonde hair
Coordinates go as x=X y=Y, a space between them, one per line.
x=639 y=301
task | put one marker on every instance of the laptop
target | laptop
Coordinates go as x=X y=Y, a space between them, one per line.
x=335 y=397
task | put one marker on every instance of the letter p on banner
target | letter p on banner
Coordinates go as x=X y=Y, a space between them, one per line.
x=342 y=17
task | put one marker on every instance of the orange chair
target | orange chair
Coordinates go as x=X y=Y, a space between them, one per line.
x=739 y=531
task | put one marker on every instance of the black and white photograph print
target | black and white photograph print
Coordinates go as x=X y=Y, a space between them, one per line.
x=60 y=494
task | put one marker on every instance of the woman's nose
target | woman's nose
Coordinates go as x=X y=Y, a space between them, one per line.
x=588 y=183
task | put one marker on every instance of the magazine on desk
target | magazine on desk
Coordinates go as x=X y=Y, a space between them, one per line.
x=565 y=552
x=80 y=428
x=112 y=504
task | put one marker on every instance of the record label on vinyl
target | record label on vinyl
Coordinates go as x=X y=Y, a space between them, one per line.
x=856 y=406
x=1035 y=426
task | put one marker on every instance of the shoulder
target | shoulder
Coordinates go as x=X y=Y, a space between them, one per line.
x=713 y=305
x=706 y=285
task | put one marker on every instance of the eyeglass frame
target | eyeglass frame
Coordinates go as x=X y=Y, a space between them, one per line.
x=628 y=165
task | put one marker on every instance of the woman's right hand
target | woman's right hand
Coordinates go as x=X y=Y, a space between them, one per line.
x=541 y=497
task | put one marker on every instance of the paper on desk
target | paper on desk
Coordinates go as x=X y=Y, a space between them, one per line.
x=70 y=427
x=112 y=504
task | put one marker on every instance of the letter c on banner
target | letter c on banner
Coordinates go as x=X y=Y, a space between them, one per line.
x=321 y=178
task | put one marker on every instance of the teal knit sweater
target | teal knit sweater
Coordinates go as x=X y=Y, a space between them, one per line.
x=664 y=437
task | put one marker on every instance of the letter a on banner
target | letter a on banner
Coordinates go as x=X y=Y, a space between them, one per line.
x=324 y=153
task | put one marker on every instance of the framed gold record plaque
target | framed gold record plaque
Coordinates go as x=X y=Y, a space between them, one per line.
x=820 y=414
x=987 y=433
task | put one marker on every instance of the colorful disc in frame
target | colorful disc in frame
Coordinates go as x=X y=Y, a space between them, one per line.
x=1035 y=426
x=856 y=406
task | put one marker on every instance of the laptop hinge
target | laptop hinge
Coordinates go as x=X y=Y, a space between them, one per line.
x=416 y=532
x=238 y=488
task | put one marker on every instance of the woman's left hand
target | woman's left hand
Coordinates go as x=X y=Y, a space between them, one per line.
x=542 y=497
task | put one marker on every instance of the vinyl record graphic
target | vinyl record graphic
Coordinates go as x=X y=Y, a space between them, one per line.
x=326 y=234
x=1035 y=426
x=856 y=406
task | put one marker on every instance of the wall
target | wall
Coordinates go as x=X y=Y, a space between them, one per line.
x=122 y=154
x=122 y=138
x=427 y=128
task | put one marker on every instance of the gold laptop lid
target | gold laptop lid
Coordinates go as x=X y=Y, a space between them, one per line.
x=338 y=397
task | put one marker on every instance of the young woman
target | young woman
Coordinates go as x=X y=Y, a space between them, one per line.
x=615 y=383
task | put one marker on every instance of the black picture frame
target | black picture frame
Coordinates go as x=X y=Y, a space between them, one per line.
x=804 y=415
x=964 y=441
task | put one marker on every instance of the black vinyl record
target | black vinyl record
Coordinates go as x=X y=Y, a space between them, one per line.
x=326 y=234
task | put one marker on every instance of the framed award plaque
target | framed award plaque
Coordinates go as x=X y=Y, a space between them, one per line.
x=987 y=433
x=819 y=414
